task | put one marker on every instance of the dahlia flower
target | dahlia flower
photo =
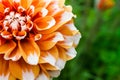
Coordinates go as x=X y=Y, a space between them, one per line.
x=104 y=4
x=37 y=37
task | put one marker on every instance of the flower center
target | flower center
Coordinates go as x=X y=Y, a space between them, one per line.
x=16 y=22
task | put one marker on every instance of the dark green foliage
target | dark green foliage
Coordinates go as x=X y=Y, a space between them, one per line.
x=98 y=55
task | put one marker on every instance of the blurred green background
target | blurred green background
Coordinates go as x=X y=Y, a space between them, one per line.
x=98 y=55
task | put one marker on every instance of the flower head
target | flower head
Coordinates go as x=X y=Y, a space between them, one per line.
x=37 y=37
x=104 y=4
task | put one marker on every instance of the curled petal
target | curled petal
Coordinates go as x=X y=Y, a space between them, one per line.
x=19 y=35
x=44 y=23
x=51 y=42
x=29 y=25
x=61 y=18
x=7 y=47
x=6 y=35
x=37 y=37
x=31 y=10
x=21 y=9
x=30 y=51
x=40 y=11
x=14 y=55
x=23 y=71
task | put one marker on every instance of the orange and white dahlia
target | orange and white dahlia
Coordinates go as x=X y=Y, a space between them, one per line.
x=37 y=37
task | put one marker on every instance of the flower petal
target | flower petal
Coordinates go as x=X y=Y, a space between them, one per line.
x=61 y=2
x=44 y=3
x=49 y=67
x=26 y=3
x=6 y=35
x=44 y=23
x=23 y=71
x=60 y=63
x=30 y=51
x=4 y=69
x=70 y=41
x=54 y=73
x=7 y=47
x=40 y=11
x=53 y=8
x=67 y=43
x=61 y=18
x=4 y=77
x=49 y=56
x=19 y=35
x=14 y=55
x=51 y=41
x=43 y=76
x=11 y=77
x=62 y=53
x=68 y=29
x=71 y=53
x=6 y=3
x=1 y=8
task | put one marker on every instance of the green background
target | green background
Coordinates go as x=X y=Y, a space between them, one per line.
x=98 y=55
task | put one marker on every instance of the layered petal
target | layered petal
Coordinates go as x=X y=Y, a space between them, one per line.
x=26 y=3
x=1 y=8
x=7 y=47
x=23 y=71
x=30 y=51
x=68 y=29
x=54 y=8
x=42 y=76
x=15 y=55
x=61 y=18
x=4 y=69
x=50 y=41
x=44 y=23
x=54 y=73
x=49 y=56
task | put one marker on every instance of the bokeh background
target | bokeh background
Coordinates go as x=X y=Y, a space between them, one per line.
x=98 y=55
